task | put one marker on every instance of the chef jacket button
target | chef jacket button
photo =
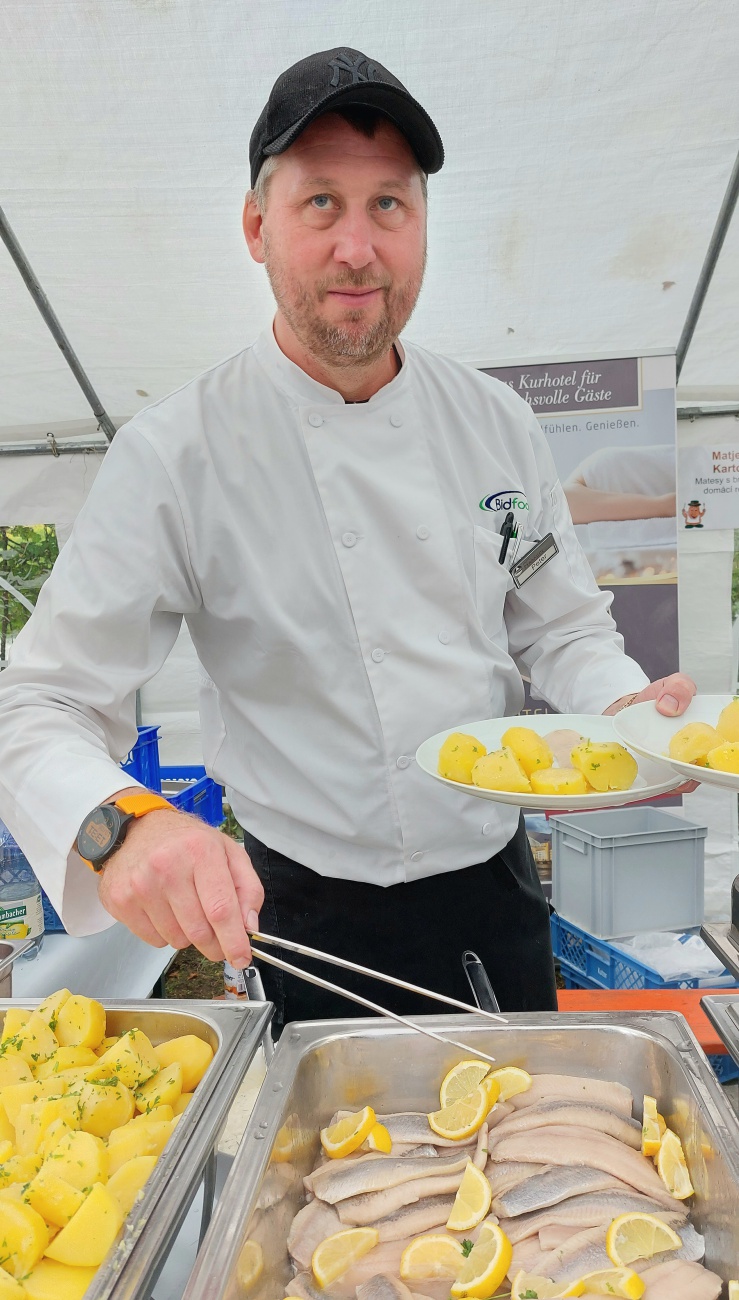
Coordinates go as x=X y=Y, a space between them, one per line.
x=349 y=539
x=422 y=532
x=416 y=857
x=403 y=761
x=396 y=420
x=445 y=637
x=487 y=828
x=378 y=655
x=315 y=419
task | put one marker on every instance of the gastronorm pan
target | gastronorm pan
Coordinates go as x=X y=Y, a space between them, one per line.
x=322 y=1066
x=234 y=1032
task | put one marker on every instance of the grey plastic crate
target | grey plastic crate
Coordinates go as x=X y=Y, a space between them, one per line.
x=627 y=870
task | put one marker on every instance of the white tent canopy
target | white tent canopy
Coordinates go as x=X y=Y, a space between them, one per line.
x=588 y=151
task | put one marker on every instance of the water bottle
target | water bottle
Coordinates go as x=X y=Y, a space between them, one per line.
x=21 y=910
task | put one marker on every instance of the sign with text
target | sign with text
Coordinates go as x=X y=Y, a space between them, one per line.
x=709 y=487
x=579 y=387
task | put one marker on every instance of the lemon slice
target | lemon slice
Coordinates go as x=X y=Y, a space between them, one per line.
x=283 y=1147
x=472 y=1201
x=250 y=1266
x=463 y=1117
x=651 y=1135
x=486 y=1265
x=512 y=1080
x=337 y=1253
x=343 y=1138
x=639 y=1236
x=461 y=1080
x=610 y=1281
x=433 y=1256
x=672 y=1167
x=379 y=1139
x=528 y=1286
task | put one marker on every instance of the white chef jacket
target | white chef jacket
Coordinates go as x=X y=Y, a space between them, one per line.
x=338 y=568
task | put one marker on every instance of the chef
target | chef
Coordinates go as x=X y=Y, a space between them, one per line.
x=335 y=513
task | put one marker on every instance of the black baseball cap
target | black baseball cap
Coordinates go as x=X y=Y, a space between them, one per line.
x=336 y=79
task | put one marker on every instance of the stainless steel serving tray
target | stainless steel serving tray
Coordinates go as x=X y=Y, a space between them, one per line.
x=234 y=1031
x=321 y=1066
x=723 y=1012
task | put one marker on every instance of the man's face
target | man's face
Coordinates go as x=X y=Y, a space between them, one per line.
x=343 y=239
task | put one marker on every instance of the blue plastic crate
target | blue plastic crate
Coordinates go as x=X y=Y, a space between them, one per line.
x=52 y=920
x=143 y=761
x=202 y=797
x=725 y=1068
x=590 y=963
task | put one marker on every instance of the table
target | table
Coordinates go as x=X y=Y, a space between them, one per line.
x=112 y=964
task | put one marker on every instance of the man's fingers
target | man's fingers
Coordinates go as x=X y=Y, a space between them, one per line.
x=247 y=884
x=220 y=903
x=132 y=917
x=675 y=695
x=189 y=912
x=161 y=916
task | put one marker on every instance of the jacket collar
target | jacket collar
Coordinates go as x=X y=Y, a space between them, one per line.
x=303 y=388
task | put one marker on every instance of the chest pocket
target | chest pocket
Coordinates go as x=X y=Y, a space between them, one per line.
x=492 y=581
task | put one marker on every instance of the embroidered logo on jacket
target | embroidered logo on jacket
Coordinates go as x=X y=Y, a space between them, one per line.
x=507 y=499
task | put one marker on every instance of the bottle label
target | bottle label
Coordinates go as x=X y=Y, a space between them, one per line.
x=234 y=983
x=22 y=919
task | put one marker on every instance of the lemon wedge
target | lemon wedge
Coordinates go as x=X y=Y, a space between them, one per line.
x=337 y=1253
x=472 y=1201
x=528 y=1286
x=461 y=1080
x=250 y=1266
x=486 y=1265
x=651 y=1136
x=621 y=1282
x=378 y=1139
x=672 y=1167
x=639 y=1236
x=463 y=1117
x=341 y=1139
x=433 y=1256
x=512 y=1080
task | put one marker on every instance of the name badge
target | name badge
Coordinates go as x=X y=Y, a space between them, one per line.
x=533 y=560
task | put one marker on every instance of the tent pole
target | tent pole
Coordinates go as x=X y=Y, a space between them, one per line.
x=49 y=315
x=723 y=221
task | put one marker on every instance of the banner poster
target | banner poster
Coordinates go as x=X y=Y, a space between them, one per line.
x=708 y=481
x=612 y=429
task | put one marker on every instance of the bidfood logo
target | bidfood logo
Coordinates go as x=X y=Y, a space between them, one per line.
x=505 y=500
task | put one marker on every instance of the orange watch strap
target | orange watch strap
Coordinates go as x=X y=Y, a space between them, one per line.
x=138 y=804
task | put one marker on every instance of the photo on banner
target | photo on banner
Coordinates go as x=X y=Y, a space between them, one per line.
x=27 y=555
x=612 y=429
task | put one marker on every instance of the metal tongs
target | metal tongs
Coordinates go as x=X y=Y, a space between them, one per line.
x=320 y=983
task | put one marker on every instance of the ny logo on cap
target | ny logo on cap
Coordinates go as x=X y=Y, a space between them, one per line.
x=345 y=64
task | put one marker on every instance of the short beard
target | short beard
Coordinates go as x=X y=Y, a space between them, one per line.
x=340 y=346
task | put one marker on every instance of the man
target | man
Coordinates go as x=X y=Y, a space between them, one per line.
x=311 y=507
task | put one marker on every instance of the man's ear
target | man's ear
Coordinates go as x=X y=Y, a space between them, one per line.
x=252 y=223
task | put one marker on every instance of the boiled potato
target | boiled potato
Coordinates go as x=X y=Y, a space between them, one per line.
x=155 y=1116
x=14 y=1020
x=22 y=1094
x=66 y=1058
x=52 y=1281
x=691 y=743
x=559 y=780
x=53 y=1136
x=81 y=1022
x=137 y=1140
x=7 y=1130
x=89 y=1235
x=131 y=1060
x=107 y=1042
x=193 y=1054
x=13 y=1069
x=24 y=1237
x=605 y=765
x=53 y=1198
x=7 y=1150
x=728 y=721
x=161 y=1090
x=19 y=1169
x=80 y=1159
x=458 y=755
x=500 y=770
x=9 y=1288
x=530 y=749
x=34 y=1041
x=724 y=758
x=35 y=1119
x=105 y=1106
x=127 y=1181
x=182 y=1103
x=49 y=1009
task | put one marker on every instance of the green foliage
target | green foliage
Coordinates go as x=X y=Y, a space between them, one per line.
x=27 y=557
x=735 y=578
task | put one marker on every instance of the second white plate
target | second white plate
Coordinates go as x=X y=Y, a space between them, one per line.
x=645 y=731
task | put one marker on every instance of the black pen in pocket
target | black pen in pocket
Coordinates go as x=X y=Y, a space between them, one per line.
x=506 y=532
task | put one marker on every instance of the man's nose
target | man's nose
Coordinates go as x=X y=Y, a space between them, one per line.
x=354 y=244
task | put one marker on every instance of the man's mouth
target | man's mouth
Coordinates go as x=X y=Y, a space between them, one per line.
x=353 y=297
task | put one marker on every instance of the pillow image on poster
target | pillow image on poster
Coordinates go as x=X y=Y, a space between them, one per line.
x=611 y=426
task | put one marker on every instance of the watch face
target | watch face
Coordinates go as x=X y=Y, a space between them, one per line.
x=99 y=833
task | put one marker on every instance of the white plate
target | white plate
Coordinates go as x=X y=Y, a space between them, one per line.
x=651 y=780
x=649 y=733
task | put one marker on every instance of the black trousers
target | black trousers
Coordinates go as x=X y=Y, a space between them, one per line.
x=417 y=931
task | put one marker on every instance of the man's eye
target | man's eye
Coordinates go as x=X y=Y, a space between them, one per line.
x=387 y=204
x=321 y=201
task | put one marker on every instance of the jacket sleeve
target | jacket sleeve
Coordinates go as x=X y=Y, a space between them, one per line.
x=104 y=623
x=560 y=631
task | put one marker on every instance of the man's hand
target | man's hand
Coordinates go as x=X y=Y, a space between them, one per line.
x=672 y=696
x=176 y=881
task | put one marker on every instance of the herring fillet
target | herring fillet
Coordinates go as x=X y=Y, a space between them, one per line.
x=383 y=1287
x=597 y=1092
x=603 y=1119
x=589 y=1210
x=361 y=1211
x=412 y=1220
x=309 y=1228
x=412 y=1126
x=550 y=1187
x=504 y=1175
x=569 y=1145
x=586 y=1252
x=363 y=1176
x=681 y=1280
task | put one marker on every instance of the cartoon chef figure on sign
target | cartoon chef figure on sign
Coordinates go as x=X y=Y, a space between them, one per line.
x=693 y=514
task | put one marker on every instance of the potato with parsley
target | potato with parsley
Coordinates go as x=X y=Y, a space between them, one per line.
x=724 y=758
x=606 y=765
x=501 y=770
x=692 y=743
x=559 y=780
x=458 y=756
x=531 y=750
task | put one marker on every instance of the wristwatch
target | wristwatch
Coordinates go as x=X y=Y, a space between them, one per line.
x=104 y=829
